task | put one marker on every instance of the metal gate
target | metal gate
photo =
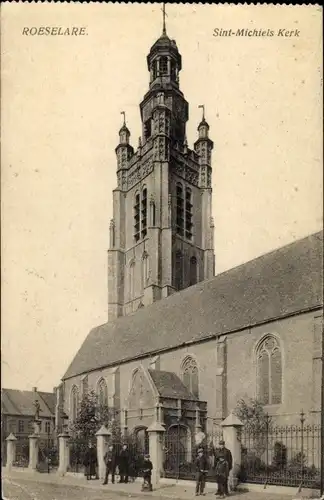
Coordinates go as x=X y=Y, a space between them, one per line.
x=22 y=452
x=47 y=454
x=179 y=460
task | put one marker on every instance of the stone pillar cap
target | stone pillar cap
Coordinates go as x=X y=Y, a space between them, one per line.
x=103 y=431
x=11 y=437
x=156 y=427
x=64 y=435
x=232 y=421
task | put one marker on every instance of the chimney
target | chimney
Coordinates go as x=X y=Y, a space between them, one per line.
x=34 y=389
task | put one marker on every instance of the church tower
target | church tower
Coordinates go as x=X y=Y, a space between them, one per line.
x=161 y=234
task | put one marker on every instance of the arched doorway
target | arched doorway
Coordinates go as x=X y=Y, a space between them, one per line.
x=178 y=452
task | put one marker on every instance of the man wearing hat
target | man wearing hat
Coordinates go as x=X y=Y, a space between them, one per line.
x=227 y=455
x=202 y=469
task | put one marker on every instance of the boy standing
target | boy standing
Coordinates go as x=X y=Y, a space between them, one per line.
x=110 y=461
x=202 y=469
x=222 y=476
x=147 y=474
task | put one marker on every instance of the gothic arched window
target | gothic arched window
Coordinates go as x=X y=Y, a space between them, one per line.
x=269 y=371
x=132 y=280
x=188 y=213
x=102 y=391
x=74 y=403
x=180 y=210
x=193 y=271
x=190 y=375
x=154 y=69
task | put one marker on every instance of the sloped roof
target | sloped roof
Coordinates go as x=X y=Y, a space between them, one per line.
x=285 y=281
x=169 y=385
x=14 y=402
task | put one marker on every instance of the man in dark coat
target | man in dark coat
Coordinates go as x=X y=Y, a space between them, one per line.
x=123 y=464
x=227 y=455
x=201 y=472
x=90 y=462
x=110 y=461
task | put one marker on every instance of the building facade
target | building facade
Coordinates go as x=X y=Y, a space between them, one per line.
x=179 y=338
x=17 y=417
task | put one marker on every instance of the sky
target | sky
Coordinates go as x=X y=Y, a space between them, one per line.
x=61 y=104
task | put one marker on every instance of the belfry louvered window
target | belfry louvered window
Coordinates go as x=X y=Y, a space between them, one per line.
x=140 y=215
x=180 y=210
x=163 y=65
x=188 y=214
x=184 y=212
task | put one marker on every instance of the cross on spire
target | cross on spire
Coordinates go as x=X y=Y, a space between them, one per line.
x=164 y=14
x=203 y=110
x=124 y=114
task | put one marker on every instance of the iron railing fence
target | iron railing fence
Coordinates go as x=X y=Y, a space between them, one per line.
x=286 y=455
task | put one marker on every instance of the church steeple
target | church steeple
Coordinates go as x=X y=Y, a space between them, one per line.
x=161 y=233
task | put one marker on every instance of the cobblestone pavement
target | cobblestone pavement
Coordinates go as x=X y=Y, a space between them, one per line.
x=19 y=486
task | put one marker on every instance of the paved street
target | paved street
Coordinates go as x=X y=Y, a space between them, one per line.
x=20 y=486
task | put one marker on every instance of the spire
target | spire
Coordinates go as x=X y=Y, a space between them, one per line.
x=124 y=133
x=203 y=111
x=164 y=14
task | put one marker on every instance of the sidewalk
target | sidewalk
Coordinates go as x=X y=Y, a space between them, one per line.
x=163 y=491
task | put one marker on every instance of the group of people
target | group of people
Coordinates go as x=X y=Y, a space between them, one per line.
x=124 y=463
x=223 y=464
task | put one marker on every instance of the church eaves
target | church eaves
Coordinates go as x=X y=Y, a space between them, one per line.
x=284 y=282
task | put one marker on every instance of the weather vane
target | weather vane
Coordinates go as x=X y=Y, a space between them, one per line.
x=124 y=114
x=164 y=14
x=203 y=108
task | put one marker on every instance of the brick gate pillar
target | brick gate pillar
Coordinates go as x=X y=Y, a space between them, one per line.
x=103 y=436
x=11 y=450
x=64 y=453
x=232 y=427
x=156 y=432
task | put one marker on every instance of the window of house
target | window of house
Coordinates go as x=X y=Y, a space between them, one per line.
x=21 y=426
x=102 y=392
x=47 y=427
x=163 y=65
x=84 y=384
x=269 y=371
x=190 y=375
